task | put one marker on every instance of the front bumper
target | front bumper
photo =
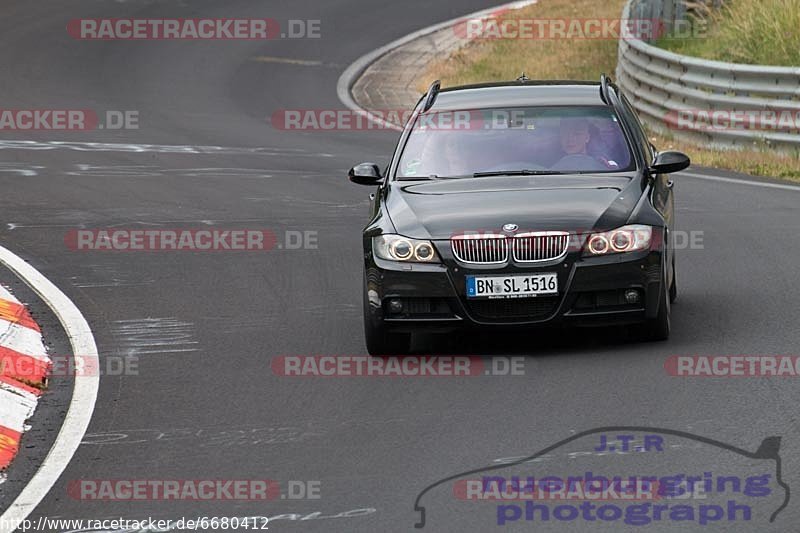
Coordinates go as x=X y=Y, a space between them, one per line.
x=591 y=292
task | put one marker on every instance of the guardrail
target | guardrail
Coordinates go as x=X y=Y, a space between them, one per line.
x=727 y=105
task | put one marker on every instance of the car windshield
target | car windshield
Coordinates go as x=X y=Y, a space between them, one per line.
x=533 y=140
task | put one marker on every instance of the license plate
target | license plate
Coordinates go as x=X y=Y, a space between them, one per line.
x=519 y=286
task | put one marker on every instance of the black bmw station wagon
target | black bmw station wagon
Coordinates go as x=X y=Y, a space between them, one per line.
x=519 y=204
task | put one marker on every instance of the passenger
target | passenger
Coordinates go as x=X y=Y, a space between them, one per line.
x=607 y=143
x=574 y=136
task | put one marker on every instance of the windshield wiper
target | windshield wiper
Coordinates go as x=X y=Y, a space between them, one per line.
x=429 y=177
x=523 y=172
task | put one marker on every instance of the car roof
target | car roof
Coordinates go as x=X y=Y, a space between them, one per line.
x=518 y=94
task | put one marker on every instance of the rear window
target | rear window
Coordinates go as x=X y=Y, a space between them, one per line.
x=547 y=140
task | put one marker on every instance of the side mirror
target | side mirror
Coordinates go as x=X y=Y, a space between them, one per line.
x=365 y=174
x=669 y=162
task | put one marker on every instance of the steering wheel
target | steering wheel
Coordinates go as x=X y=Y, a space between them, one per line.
x=515 y=165
x=577 y=162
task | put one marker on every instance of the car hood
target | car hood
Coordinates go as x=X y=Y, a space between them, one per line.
x=438 y=209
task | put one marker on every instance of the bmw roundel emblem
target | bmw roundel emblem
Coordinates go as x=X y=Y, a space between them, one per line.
x=510 y=227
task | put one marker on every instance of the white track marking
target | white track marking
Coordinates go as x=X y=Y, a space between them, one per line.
x=752 y=183
x=156 y=148
x=20 y=168
x=84 y=394
x=5 y=295
x=351 y=73
x=287 y=61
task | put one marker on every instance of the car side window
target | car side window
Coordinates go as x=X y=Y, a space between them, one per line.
x=639 y=130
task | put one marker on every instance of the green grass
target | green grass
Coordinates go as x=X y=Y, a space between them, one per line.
x=758 y=32
x=506 y=59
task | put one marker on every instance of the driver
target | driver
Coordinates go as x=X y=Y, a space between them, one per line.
x=574 y=134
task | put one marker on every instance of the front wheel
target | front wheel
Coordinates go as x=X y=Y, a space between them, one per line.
x=658 y=328
x=673 y=287
x=381 y=342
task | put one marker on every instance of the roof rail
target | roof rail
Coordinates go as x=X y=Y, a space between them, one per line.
x=433 y=92
x=605 y=88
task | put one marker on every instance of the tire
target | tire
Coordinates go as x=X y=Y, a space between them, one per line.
x=381 y=342
x=658 y=328
x=673 y=287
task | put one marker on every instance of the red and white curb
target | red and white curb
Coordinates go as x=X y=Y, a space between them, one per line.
x=84 y=390
x=24 y=366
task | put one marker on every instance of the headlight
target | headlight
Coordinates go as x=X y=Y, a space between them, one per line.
x=625 y=239
x=399 y=248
